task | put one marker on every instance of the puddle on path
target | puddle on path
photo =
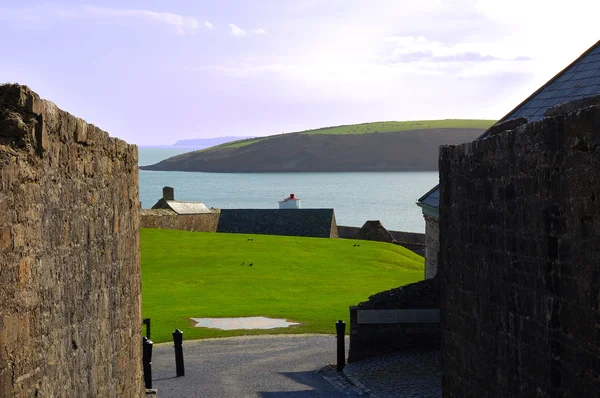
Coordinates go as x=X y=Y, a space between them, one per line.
x=253 y=322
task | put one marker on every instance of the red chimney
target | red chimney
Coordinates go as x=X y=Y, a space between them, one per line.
x=291 y=196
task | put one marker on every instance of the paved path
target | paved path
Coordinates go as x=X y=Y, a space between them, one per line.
x=293 y=366
x=403 y=375
x=250 y=366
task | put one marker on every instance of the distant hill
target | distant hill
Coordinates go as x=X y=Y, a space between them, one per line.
x=206 y=142
x=379 y=146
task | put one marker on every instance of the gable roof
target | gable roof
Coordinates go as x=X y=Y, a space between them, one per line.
x=318 y=223
x=181 y=207
x=374 y=230
x=578 y=80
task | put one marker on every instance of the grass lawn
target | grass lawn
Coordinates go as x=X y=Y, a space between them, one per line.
x=376 y=127
x=393 y=127
x=307 y=280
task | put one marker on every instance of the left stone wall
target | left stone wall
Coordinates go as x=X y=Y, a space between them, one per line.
x=70 y=291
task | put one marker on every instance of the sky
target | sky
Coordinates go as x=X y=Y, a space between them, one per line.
x=153 y=72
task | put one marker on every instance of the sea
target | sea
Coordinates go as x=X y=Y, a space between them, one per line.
x=355 y=197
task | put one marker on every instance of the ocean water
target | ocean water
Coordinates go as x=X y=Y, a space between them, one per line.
x=355 y=197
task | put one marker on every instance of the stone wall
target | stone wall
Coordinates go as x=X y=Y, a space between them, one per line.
x=520 y=261
x=70 y=316
x=432 y=245
x=168 y=219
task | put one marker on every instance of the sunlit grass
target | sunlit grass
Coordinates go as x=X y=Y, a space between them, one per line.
x=308 y=280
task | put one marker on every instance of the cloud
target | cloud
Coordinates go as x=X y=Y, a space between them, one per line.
x=236 y=30
x=180 y=23
x=259 y=31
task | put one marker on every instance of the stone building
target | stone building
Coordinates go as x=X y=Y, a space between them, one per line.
x=169 y=213
x=318 y=223
x=374 y=230
x=168 y=202
x=579 y=80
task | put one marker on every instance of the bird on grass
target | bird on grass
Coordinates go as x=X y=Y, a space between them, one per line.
x=242 y=264
x=250 y=265
x=354 y=245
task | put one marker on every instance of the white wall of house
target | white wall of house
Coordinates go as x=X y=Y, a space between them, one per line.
x=290 y=203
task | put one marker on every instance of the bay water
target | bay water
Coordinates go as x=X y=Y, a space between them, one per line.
x=355 y=196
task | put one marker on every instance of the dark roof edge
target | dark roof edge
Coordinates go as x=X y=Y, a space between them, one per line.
x=549 y=81
x=428 y=192
x=485 y=133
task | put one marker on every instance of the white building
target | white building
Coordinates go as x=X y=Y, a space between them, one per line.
x=290 y=203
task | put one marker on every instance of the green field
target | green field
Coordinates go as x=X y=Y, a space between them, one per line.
x=377 y=127
x=393 y=127
x=307 y=280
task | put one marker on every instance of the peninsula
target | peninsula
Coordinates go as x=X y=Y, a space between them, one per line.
x=379 y=146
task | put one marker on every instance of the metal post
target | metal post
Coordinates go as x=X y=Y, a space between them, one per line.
x=146 y=322
x=147 y=361
x=340 y=327
x=178 y=344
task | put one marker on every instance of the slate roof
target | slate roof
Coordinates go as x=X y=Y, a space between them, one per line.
x=188 y=207
x=578 y=80
x=181 y=207
x=318 y=223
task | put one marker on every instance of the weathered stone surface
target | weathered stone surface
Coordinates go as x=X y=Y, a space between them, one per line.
x=571 y=106
x=520 y=261
x=168 y=219
x=432 y=245
x=507 y=125
x=70 y=294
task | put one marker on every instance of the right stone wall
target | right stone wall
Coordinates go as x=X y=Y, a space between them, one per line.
x=432 y=245
x=520 y=261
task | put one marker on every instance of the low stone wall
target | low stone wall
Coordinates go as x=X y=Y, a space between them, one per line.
x=411 y=240
x=367 y=340
x=168 y=219
x=70 y=291
x=345 y=232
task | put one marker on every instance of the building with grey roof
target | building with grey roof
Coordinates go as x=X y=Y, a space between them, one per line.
x=581 y=79
x=318 y=223
x=168 y=202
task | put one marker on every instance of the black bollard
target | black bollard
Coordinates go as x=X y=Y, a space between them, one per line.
x=147 y=361
x=146 y=322
x=178 y=344
x=340 y=328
